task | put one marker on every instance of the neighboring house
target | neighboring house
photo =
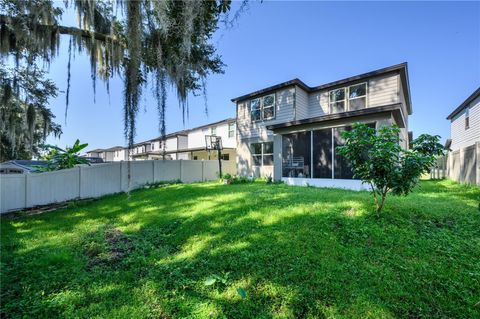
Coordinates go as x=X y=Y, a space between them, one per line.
x=195 y=149
x=21 y=166
x=187 y=145
x=290 y=130
x=463 y=164
x=112 y=154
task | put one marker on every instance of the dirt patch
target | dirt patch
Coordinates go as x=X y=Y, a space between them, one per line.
x=108 y=248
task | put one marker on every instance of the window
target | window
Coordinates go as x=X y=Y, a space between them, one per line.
x=116 y=153
x=225 y=157
x=195 y=158
x=269 y=107
x=257 y=154
x=262 y=153
x=337 y=100
x=467 y=118
x=357 y=97
x=268 y=153
x=231 y=130
x=213 y=130
x=152 y=146
x=263 y=108
x=255 y=110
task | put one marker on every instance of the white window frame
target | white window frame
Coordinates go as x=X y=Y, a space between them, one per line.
x=257 y=154
x=358 y=97
x=272 y=107
x=347 y=98
x=262 y=107
x=330 y=103
x=259 y=108
x=213 y=131
x=231 y=129
x=266 y=154
x=262 y=153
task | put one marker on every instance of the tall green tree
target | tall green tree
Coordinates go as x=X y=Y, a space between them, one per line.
x=161 y=43
x=25 y=119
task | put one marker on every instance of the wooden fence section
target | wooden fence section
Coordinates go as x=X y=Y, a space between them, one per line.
x=29 y=190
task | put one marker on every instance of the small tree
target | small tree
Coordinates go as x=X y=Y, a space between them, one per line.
x=64 y=158
x=377 y=158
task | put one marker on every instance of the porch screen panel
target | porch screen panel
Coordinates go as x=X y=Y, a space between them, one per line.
x=322 y=153
x=343 y=169
x=296 y=150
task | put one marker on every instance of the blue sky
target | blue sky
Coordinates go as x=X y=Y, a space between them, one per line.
x=318 y=42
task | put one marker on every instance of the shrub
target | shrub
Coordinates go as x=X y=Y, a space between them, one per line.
x=377 y=158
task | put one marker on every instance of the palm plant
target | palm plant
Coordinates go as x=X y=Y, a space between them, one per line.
x=59 y=158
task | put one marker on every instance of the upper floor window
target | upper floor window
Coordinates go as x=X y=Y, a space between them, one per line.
x=357 y=97
x=349 y=98
x=231 y=130
x=263 y=108
x=213 y=130
x=337 y=100
x=255 y=110
x=152 y=146
x=467 y=118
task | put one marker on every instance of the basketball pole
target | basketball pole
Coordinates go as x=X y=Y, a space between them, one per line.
x=220 y=161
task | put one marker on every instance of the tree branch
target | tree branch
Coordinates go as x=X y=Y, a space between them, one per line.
x=5 y=20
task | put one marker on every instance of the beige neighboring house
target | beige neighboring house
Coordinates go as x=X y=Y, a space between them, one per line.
x=290 y=130
x=463 y=161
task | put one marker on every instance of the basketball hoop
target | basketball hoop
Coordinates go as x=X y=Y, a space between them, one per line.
x=214 y=143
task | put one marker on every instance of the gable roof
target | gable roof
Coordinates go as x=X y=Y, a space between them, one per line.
x=464 y=104
x=401 y=68
x=29 y=165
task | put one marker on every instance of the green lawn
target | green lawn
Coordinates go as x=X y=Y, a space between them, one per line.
x=296 y=252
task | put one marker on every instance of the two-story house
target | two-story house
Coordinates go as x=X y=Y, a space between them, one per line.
x=290 y=130
x=187 y=145
x=463 y=164
x=112 y=154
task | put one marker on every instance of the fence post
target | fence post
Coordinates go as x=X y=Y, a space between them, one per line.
x=203 y=170
x=181 y=171
x=26 y=191
x=153 y=171
x=79 y=181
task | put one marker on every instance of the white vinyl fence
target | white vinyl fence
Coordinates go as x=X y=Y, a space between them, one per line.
x=29 y=190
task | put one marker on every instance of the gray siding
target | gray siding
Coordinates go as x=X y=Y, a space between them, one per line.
x=462 y=137
x=283 y=113
x=301 y=104
x=381 y=90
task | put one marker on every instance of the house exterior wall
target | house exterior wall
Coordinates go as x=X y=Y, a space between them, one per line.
x=462 y=137
x=294 y=103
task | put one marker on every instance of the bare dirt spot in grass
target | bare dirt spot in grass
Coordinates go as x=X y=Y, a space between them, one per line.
x=108 y=249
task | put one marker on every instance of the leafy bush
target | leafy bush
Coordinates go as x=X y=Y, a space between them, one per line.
x=64 y=158
x=378 y=159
